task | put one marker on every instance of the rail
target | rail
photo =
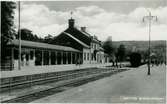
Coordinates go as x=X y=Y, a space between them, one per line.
x=45 y=79
x=58 y=88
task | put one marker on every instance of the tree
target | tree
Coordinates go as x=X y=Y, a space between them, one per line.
x=135 y=59
x=144 y=55
x=121 y=53
x=48 y=38
x=110 y=49
x=26 y=34
x=7 y=22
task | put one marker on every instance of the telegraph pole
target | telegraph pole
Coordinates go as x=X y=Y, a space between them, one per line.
x=149 y=18
x=19 y=33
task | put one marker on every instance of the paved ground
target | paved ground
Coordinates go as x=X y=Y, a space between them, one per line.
x=129 y=86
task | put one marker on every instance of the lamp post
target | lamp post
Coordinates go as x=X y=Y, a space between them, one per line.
x=149 y=18
x=19 y=33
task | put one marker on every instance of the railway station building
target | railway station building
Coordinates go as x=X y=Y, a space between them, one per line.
x=80 y=39
x=72 y=46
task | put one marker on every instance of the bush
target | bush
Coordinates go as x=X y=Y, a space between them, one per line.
x=135 y=59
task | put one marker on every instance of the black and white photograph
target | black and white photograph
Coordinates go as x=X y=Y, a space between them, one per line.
x=76 y=51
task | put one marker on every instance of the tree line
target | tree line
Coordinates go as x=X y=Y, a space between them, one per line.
x=116 y=54
x=27 y=34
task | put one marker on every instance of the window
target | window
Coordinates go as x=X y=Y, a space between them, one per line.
x=95 y=57
x=91 y=45
x=92 y=56
x=84 y=56
x=87 y=56
x=27 y=57
x=64 y=58
x=16 y=54
x=95 y=46
x=31 y=55
x=98 y=57
x=53 y=58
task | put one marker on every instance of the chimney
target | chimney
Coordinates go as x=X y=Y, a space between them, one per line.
x=83 y=29
x=71 y=23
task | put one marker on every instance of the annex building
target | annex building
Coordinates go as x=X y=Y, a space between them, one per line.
x=73 y=46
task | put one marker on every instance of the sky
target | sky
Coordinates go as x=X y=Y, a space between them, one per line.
x=121 y=19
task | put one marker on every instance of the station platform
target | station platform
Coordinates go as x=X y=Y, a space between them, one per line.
x=46 y=69
x=132 y=86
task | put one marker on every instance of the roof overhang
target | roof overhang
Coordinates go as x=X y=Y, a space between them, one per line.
x=39 y=45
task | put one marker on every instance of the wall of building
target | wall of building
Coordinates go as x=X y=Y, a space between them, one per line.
x=86 y=56
x=43 y=57
x=100 y=57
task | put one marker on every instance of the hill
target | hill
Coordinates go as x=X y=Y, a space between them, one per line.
x=158 y=48
x=140 y=45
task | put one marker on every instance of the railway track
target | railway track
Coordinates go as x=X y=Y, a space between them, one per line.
x=59 y=88
x=31 y=80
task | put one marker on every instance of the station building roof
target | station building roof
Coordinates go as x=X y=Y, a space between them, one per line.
x=31 y=44
x=80 y=42
x=78 y=34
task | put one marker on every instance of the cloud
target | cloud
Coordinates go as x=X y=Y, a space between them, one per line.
x=41 y=20
x=90 y=10
x=100 y=22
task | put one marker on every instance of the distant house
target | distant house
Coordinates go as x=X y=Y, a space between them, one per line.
x=80 y=39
